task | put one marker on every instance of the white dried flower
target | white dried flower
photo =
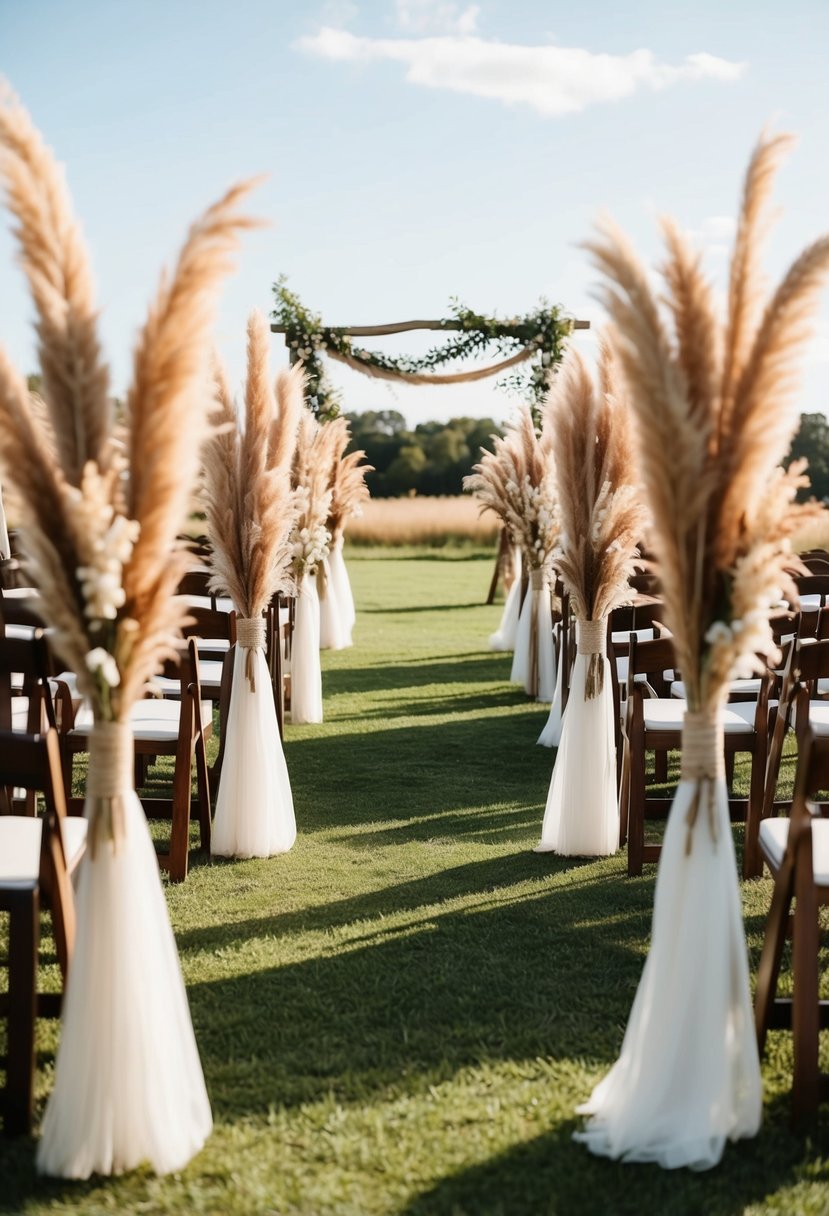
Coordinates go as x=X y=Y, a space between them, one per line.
x=101 y=662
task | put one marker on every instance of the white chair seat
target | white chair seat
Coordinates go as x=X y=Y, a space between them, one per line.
x=20 y=837
x=774 y=834
x=20 y=714
x=210 y=677
x=150 y=719
x=19 y=849
x=20 y=593
x=819 y=717
x=668 y=714
x=742 y=688
x=624 y=635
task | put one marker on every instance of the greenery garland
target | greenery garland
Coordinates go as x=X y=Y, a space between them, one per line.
x=542 y=331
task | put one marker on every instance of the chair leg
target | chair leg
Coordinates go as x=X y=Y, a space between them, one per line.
x=775 y=755
x=203 y=787
x=752 y=858
x=805 y=1016
x=773 y=942
x=624 y=793
x=24 y=931
x=636 y=812
x=180 y=814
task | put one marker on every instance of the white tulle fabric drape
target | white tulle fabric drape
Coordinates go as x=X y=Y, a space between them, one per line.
x=688 y=1077
x=581 y=818
x=342 y=586
x=551 y=734
x=534 y=660
x=504 y=636
x=306 y=673
x=254 y=805
x=128 y=1085
x=335 y=627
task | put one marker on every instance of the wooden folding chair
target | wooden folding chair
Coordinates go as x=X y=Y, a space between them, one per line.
x=654 y=723
x=796 y=851
x=644 y=619
x=31 y=699
x=163 y=727
x=799 y=707
x=37 y=857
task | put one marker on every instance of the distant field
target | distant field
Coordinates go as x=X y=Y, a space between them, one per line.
x=438 y=522
x=434 y=522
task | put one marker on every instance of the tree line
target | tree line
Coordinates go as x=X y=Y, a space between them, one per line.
x=435 y=457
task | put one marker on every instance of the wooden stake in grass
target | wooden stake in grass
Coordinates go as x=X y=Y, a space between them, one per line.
x=715 y=410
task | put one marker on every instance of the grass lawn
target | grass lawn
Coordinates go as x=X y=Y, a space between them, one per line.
x=401 y=1015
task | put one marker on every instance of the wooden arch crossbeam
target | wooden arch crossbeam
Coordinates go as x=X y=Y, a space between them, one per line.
x=399 y=327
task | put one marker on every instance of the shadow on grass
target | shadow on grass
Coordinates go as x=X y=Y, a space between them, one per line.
x=473 y=669
x=547 y=1176
x=435 y=707
x=417 y=770
x=474 y=878
x=420 y=608
x=405 y=1006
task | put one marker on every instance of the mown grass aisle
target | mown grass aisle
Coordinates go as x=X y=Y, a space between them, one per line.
x=401 y=1015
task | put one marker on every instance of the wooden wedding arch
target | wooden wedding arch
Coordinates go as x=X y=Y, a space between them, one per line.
x=340 y=353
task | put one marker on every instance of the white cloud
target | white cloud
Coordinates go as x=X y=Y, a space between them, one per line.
x=436 y=17
x=553 y=80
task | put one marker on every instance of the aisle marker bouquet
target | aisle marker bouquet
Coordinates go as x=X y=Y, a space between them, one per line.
x=716 y=409
x=100 y=544
x=250 y=511
x=602 y=521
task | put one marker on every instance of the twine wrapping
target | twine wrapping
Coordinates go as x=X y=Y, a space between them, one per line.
x=592 y=641
x=703 y=762
x=109 y=778
x=251 y=635
x=322 y=581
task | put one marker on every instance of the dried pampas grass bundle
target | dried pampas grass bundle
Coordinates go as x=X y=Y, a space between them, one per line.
x=517 y=481
x=347 y=478
x=100 y=542
x=602 y=514
x=313 y=459
x=100 y=538
x=250 y=511
x=246 y=482
x=716 y=410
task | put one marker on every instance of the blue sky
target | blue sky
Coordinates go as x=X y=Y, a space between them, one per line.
x=416 y=150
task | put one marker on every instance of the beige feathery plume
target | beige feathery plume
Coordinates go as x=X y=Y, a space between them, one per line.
x=248 y=500
x=517 y=481
x=745 y=287
x=221 y=491
x=168 y=425
x=347 y=477
x=312 y=492
x=715 y=415
x=602 y=513
x=290 y=404
x=102 y=554
x=74 y=375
